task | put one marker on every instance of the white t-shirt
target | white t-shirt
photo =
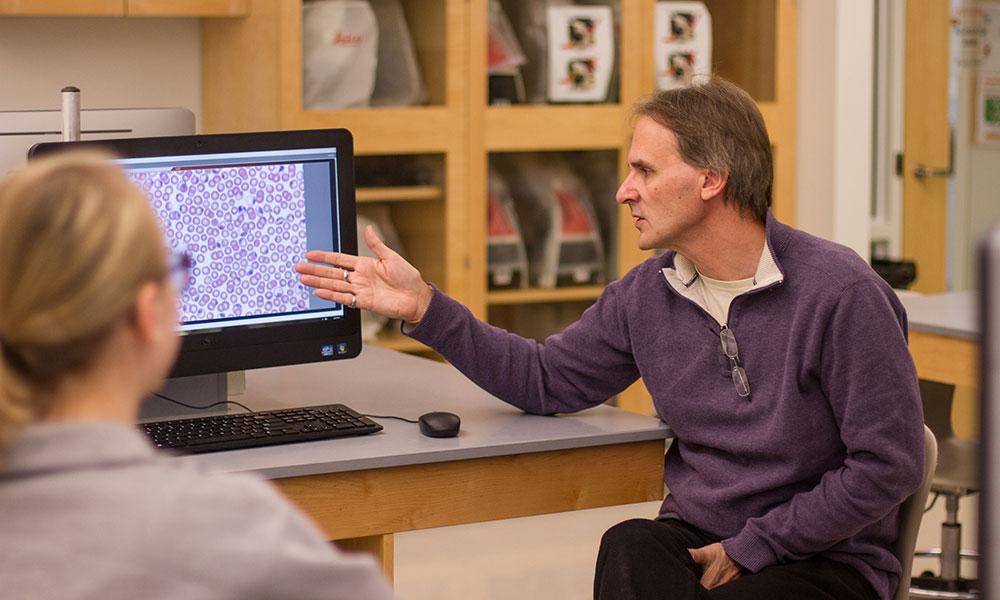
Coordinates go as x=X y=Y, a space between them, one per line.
x=719 y=295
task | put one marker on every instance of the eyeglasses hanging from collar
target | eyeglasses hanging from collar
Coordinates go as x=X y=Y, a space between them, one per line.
x=732 y=352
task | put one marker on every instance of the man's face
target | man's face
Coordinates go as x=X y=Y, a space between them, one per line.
x=663 y=193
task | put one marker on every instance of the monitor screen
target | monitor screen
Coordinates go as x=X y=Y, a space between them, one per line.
x=246 y=207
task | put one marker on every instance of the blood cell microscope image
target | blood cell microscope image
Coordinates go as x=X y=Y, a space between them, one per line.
x=244 y=228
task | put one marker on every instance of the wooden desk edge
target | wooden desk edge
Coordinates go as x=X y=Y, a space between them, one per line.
x=360 y=504
x=944 y=358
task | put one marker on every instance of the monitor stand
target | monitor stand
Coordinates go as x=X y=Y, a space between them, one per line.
x=198 y=390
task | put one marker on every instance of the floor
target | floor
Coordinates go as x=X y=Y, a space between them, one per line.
x=551 y=557
x=533 y=558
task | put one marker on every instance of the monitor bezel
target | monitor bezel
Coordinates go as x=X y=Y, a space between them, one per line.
x=256 y=346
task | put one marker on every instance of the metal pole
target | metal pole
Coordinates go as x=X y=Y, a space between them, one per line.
x=71 y=114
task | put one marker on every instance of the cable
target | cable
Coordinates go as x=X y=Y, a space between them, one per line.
x=391 y=417
x=244 y=407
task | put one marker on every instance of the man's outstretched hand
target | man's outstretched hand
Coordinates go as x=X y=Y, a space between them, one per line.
x=387 y=285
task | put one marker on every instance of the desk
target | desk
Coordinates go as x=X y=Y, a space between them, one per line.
x=944 y=342
x=944 y=336
x=503 y=464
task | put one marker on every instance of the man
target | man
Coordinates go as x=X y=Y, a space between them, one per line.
x=779 y=360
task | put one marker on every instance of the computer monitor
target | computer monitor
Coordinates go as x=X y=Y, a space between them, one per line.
x=246 y=207
x=989 y=374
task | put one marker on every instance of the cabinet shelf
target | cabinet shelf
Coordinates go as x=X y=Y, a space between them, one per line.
x=187 y=8
x=402 y=193
x=63 y=8
x=413 y=130
x=554 y=127
x=537 y=295
x=125 y=8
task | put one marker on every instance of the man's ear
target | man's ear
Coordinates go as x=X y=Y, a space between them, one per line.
x=713 y=184
x=146 y=317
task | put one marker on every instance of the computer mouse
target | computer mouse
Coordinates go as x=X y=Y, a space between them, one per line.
x=439 y=424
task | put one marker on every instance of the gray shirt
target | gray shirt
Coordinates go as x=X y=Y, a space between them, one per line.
x=89 y=510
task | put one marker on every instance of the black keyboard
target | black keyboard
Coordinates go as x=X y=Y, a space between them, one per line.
x=228 y=432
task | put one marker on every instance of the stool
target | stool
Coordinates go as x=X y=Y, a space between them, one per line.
x=957 y=475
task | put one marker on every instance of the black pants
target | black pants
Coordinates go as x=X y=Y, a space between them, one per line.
x=642 y=559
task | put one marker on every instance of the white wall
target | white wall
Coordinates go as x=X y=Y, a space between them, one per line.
x=973 y=202
x=116 y=63
x=981 y=168
x=834 y=123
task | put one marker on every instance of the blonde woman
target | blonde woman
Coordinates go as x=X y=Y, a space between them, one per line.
x=87 y=329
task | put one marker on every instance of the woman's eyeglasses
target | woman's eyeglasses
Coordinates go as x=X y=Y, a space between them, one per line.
x=731 y=350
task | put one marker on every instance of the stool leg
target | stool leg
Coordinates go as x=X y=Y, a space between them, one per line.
x=951 y=541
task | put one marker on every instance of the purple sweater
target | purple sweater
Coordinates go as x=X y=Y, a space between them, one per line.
x=820 y=457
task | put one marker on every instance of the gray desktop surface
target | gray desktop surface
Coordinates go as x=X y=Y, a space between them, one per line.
x=953 y=314
x=384 y=382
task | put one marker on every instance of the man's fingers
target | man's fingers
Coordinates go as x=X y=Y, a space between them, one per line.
x=308 y=268
x=334 y=259
x=381 y=250
x=321 y=271
x=699 y=557
x=717 y=567
x=326 y=283
x=344 y=298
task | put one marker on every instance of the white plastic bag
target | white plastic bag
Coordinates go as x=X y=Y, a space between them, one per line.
x=398 y=81
x=339 y=54
x=559 y=226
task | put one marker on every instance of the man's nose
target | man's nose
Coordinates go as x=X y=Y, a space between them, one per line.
x=626 y=191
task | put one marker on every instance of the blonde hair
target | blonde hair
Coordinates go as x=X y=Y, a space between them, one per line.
x=77 y=240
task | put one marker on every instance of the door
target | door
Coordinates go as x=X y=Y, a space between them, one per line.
x=926 y=145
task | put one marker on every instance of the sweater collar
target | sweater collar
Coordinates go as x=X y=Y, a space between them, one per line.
x=681 y=273
x=55 y=447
